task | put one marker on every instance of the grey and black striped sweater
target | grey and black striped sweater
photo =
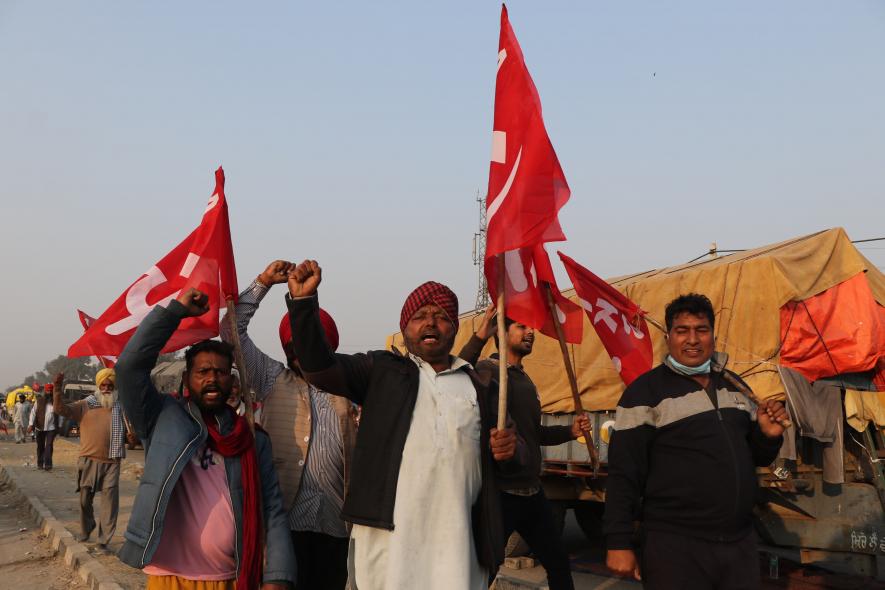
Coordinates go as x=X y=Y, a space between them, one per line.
x=682 y=459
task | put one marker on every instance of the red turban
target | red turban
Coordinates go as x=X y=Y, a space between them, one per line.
x=430 y=292
x=48 y=387
x=326 y=320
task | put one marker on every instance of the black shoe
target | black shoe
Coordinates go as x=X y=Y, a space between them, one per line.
x=81 y=538
x=103 y=549
x=47 y=469
x=39 y=467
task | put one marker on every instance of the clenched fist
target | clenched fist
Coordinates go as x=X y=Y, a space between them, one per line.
x=305 y=278
x=195 y=302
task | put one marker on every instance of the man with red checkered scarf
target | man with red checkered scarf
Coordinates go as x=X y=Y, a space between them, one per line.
x=423 y=500
x=312 y=434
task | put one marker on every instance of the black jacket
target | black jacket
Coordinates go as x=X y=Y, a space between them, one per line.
x=386 y=386
x=524 y=407
x=683 y=460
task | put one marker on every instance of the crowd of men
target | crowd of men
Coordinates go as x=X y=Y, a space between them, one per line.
x=425 y=492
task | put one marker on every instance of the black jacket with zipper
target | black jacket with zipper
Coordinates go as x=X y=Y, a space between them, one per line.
x=386 y=386
x=683 y=459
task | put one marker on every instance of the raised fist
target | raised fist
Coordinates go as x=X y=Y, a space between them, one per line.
x=276 y=272
x=195 y=302
x=305 y=278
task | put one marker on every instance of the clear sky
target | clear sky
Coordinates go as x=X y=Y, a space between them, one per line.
x=358 y=134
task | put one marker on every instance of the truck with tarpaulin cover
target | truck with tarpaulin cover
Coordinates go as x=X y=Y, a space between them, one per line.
x=814 y=305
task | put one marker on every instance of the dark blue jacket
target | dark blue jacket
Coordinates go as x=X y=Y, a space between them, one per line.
x=172 y=431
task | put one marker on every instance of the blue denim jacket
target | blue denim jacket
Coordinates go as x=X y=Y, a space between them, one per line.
x=172 y=431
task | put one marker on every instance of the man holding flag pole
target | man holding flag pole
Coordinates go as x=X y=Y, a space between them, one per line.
x=208 y=511
x=527 y=188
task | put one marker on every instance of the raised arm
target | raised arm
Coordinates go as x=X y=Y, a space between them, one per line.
x=340 y=374
x=73 y=411
x=261 y=369
x=140 y=399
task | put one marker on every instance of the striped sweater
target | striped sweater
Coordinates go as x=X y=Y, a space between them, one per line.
x=682 y=459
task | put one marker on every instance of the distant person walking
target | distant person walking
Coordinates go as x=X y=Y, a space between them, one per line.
x=20 y=417
x=44 y=423
x=102 y=445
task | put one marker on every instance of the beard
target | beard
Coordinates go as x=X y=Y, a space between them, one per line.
x=107 y=400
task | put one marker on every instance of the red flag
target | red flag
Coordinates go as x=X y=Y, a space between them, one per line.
x=526 y=184
x=86 y=320
x=526 y=270
x=204 y=260
x=618 y=321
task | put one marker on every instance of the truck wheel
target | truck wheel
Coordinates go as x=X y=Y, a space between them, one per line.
x=589 y=517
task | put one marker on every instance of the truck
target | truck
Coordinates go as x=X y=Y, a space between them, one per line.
x=788 y=304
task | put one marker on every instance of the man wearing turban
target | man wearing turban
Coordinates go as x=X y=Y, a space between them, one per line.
x=102 y=446
x=423 y=502
x=43 y=423
x=312 y=435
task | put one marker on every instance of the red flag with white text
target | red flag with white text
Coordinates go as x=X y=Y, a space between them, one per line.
x=526 y=271
x=617 y=320
x=203 y=260
x=87 y=320
x=526 y=184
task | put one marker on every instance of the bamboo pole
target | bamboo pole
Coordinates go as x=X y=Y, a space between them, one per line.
x=573 y=381
x=502 y=339
x=245 y=392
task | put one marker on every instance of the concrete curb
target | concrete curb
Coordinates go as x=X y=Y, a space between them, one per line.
x=75 y=554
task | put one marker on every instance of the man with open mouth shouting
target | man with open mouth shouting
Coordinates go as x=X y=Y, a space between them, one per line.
x=423 y=502
x=208 y=512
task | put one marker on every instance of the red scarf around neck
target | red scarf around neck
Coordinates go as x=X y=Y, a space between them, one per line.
x=240 y=442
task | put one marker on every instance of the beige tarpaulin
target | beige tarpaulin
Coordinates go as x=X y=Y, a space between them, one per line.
x=747 y=290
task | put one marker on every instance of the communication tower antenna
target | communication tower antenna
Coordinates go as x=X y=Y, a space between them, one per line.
x=479 y=254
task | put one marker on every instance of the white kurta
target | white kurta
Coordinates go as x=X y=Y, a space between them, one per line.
x=431 y=546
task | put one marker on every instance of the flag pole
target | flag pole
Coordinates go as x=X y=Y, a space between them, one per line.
x=502 y=339
x=573 y=382
x=245 y=392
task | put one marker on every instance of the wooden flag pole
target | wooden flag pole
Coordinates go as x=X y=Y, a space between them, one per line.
x=245 y=392
x=576 y=397
x=502 y=339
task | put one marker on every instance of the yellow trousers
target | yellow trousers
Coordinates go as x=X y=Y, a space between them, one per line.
x=176 y=583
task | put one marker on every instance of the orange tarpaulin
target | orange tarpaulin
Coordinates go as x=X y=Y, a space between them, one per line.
x=841 y=330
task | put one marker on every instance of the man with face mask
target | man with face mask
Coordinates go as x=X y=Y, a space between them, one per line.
x=682 y=460
x=208 y=512
x=313 y=434
x=102 y=438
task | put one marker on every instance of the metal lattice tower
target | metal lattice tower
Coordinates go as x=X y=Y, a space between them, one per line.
x=479 y=254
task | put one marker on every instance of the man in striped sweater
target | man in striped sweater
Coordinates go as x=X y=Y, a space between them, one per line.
x=682 y=462
x=312 y=434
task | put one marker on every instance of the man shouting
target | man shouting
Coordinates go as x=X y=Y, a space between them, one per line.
x=208 y=512
x=423 y=502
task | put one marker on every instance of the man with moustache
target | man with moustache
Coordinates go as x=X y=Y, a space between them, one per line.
x=682 y=461
x=525 y=508
x=102 y=446
x=313 y=434
x=422 y=498
x=208 y=512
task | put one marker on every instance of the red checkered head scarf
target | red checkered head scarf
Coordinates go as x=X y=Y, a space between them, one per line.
x=430 y=292
x=326 y=320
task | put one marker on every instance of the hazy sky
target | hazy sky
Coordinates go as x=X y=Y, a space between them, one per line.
x=358 y=134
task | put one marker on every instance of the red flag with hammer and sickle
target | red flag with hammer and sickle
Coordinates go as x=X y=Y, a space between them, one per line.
x=203 y=260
